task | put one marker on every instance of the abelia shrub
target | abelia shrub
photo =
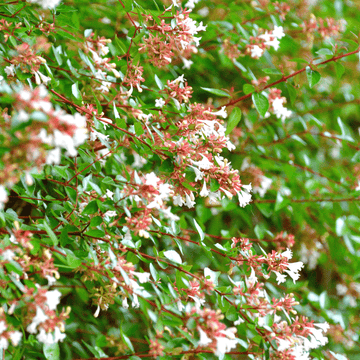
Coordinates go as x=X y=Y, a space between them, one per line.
x=179 y=180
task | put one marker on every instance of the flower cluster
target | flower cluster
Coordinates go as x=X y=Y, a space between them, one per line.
x=138 y=223
x=46 y=4
x=264 y=41
x=170 y=40
x=277 y=107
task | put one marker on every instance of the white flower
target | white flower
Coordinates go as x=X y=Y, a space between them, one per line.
x=214 y=197
x=358 y=186
x=39 y=318
x=23 y=115
x=178 y=201
x=252 y=280
x=283 y=344
x=256 y=51
x=204 y=191
x=278 y=32
x=3 y=326
x=198 y=302
x=25 y=95
x=221 y=112
x=52 y=299
x=187 y=63
x=135 y=303
x=227 y=193
x=189 y=200
x=51 y=280
x=324 y=326
x=45 y=338
x=341 y=289
x=317 y=337
x=191 y=4
x=247 y=187
x=199 y=174
x=151 y=179
x=280 y=111
x=267 y=36
x=280 y=278
x=169 y=215
x=180 y=305
x=15 y=337
x=239 y=321
x=8 y=255
x=125 y=303
x=224 y=345
x=104 y=87
x=244 y=195
x=105 y=20
x=97 y=135
x=230 y=146
x=274 y=43
x=3 y=196
x=97 y=312
x=229 y=332
x=45 y=79
x=159 y=102
x=179 y=79
x=58 y=335
x=204 y=339
x=10 y=70
x=4 y=344
x=46 y=4
x=204 y=164
x=110 y=213
x=109 y=194
x=265 y=185
x=293 y=269
x=288 y=254
x=143 y=277
x=53 y=156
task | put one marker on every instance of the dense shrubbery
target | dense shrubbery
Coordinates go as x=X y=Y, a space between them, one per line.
x=179 y=180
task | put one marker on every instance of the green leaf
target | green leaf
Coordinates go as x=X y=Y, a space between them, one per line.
x=232 y=314
x=51 y=234
x=71 y=259
x=261 y=103
x=75 y=20
x=120 y=45
x=339 y=69
x=324 y=52
x=280 y=202
x=75 y=91
x=153 y=272
x=292 y=93
x=272 y=71
x=199 y=230
x=167 y=166
x=247 y=89
x=159 y=82
x=127 y=341
x=234 y=119
x=216 y=92
x=90 y=208
x=66 y=35
x=313 y=76
x=173 y=256
x=52 y=351
x=57 y=52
